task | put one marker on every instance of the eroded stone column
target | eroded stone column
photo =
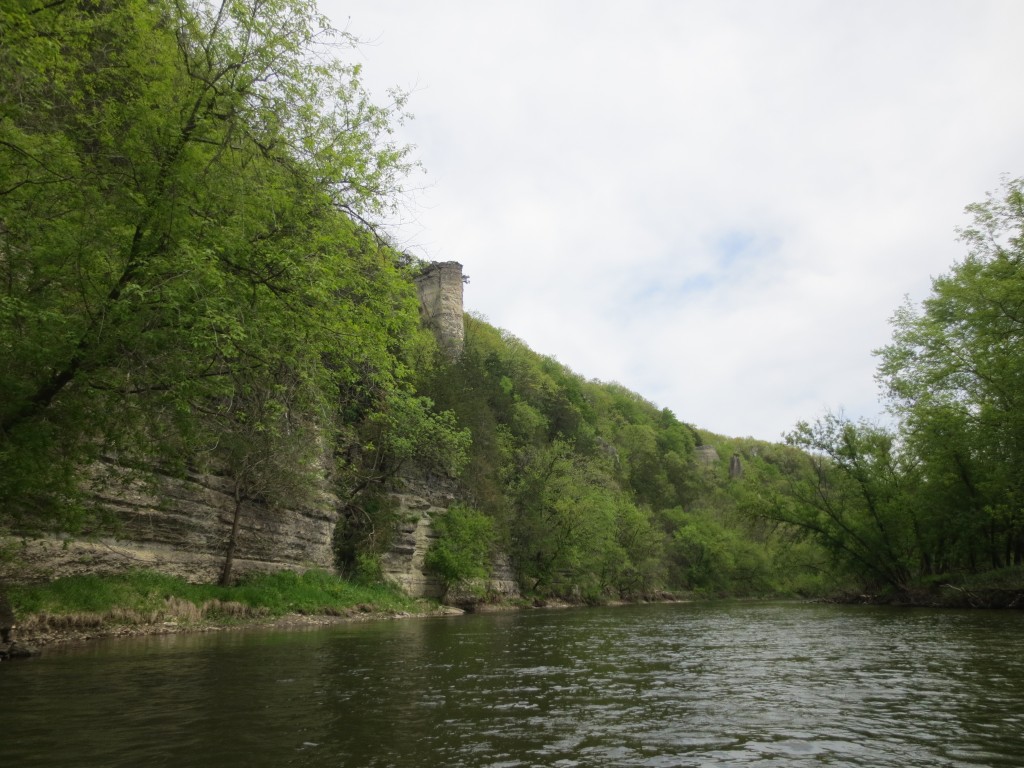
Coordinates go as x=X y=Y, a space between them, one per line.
x=440 y=289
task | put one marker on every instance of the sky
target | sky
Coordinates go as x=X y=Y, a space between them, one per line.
x=717 y=204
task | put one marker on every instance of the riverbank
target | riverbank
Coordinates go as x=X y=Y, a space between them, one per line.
x=44 y=632
x=941 y=596
x=84 y=608
x=79 y=609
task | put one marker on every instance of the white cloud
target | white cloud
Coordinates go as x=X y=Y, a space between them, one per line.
x=718 y=204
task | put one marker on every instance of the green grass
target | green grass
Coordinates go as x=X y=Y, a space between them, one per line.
x=145 y=596
x=1004 y=578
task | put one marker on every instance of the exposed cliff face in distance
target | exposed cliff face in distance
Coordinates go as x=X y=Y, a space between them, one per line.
x=403 y=564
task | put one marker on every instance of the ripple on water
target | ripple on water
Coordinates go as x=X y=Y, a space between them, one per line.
x=761 y=685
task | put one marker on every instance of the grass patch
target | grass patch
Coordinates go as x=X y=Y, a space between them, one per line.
x=1004 y=578
x=317 y=592
x=147 y=597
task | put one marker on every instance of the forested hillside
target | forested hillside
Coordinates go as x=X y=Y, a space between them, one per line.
x=193 y=277
x=596 y=492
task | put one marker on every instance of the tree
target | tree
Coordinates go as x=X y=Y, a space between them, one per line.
x=266 y=441
x=185 y=189
x=564 y=523
x=846 y=489
x=462 y=552
x=404 y=431
x=954 y=375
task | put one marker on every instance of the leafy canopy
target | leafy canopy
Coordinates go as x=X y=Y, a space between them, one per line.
x=185 y=193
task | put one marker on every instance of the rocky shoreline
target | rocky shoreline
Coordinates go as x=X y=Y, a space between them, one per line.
x=940 y=596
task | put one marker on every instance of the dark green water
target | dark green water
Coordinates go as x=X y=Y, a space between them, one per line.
x=666 y=685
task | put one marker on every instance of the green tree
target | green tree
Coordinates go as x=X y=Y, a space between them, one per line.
x=846 y=488
x=184 y=189
x=638 y=563
x=462 y=552
x=954 y=374
x=405 y=432
x=564 y=520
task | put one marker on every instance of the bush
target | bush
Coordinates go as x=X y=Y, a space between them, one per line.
x=463 y=548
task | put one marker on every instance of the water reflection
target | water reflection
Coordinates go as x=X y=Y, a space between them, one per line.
x=679 y=685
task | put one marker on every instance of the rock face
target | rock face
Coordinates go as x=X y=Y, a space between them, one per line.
x=404 y=563
x=440 y=291
x=706 y=454
x=419 y=503
x=183 y=531
x=735 y=466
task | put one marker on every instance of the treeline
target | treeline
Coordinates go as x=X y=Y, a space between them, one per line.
x=596 y=492
x=940 y=495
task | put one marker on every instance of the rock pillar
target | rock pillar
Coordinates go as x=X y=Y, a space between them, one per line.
x=440 y=290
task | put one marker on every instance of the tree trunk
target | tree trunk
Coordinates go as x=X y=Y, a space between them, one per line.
x=229 y=558
x=6 y=616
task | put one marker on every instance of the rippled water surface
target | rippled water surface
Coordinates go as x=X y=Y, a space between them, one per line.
x=666 y=685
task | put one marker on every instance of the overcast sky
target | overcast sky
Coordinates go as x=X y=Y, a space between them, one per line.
x=717 y=204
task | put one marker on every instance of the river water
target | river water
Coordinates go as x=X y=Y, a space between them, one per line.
x=731 y=684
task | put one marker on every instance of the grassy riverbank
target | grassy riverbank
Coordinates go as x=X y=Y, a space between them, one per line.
x=144 y=602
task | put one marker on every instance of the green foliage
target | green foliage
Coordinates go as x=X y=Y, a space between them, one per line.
x=364 y=533
x=716 y=558
x=189 y=274
x=185 y=272
x=954 y=373
x=464 y=548
x=368 y=569
x=853 y=498
x=581 y=480
x=144 y=592
x=407 y=429
x=941 y=494
x=565 y=506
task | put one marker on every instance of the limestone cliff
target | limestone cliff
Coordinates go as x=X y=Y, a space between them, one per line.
x=419 y=503
x=182 y=530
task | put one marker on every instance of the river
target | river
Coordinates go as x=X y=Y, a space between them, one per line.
x=718 y=684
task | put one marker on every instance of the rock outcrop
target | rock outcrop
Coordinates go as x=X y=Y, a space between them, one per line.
x=419 y=503
x=404 y=564
x=440 y=291
x=182 y=530
x=706 y=454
